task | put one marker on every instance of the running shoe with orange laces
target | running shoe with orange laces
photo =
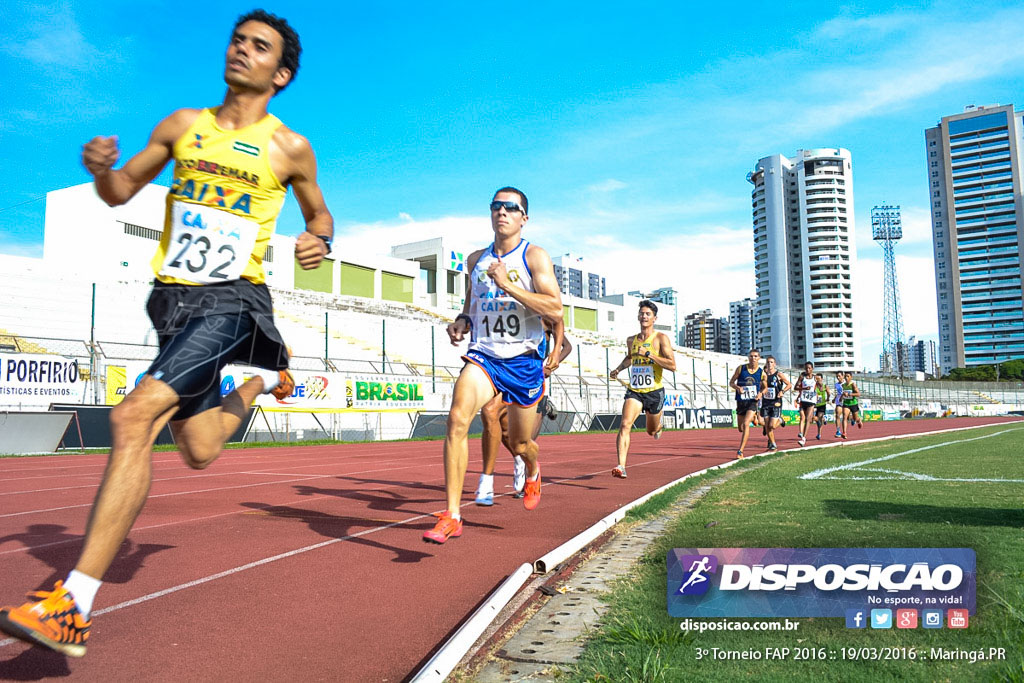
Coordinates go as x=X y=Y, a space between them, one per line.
x=446 y=527
x=285 y=385
x=53 y=621
x=532 y=491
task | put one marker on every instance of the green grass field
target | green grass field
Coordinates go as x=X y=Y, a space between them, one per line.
x=959 y=489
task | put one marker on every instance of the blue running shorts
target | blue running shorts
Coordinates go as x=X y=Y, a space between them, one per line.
x=519 y=380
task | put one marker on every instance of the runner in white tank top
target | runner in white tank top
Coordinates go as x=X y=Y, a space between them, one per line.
x=512 y=288
x=806 y=398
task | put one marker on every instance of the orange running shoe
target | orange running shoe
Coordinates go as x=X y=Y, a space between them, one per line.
x=53 y=621
x=285 y=385
x=446 y=527
x=532 y=491
x=619 y=472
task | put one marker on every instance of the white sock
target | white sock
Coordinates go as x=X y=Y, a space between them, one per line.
x=271 y=378
x=486 y=483
x=83 y=589
x=534 y=477
x=457 y=516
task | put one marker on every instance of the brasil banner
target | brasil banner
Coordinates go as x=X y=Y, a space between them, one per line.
x=334 y=392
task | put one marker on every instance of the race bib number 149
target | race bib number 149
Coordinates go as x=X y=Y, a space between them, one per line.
x=208 y=245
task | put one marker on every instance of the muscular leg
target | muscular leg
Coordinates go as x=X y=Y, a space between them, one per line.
x=654 y=423
x=770 y=424
x=472 y=390
x=521 y=421
x=201 y=438
x=492 y=435
x=744 y=421
x=135 y=422
x=630 y=411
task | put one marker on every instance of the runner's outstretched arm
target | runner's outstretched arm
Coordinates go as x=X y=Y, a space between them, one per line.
x=116 y=187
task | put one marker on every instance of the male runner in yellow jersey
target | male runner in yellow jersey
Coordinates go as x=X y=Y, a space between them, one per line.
x=649 y=353
x=210 y=306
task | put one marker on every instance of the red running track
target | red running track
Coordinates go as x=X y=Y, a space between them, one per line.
x=305 y=563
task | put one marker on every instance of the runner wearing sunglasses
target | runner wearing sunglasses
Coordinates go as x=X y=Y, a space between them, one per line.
x=511 y=292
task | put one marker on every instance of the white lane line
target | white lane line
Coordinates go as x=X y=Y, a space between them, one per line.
x=817 y=474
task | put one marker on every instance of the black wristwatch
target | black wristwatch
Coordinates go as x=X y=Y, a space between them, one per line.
x=327 y=240
x=463 y=316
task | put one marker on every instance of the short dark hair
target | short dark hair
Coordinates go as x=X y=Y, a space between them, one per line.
x=807 y=362
x=291 y=50
x=757 y=351
x=769 y=357
x=647 y=303
x=525 y=202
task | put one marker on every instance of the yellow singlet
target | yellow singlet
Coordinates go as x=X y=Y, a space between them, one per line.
x=222 y=206
x=644 y=373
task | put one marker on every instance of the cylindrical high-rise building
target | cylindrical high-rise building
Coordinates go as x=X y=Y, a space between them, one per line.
x=804 y=254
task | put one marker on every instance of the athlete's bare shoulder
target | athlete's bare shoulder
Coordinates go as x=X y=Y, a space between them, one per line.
x=293 y=145
x=175 y=125
x=473 y=258
x=536 y=257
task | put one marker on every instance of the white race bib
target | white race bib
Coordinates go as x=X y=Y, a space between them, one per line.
x=641 y=376
x=208 y=245
x=769 y=393
x=809 y=396
x=748 y=393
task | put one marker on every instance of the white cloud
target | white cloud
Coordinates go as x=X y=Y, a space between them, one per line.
x=610 y=185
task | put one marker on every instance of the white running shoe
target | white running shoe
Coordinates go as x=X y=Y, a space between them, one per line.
x=485 y=490
x=518 y=473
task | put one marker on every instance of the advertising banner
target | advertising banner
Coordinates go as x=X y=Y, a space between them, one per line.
x=333 y=392
x=117 y=384
x=37 y=380
x=817 y=582
x=674 y=399
x=703 y=418
x=385 y=393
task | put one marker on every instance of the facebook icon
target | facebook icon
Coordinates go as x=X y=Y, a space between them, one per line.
x=856 y=618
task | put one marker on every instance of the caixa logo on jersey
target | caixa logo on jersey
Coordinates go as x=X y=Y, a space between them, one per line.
x=816 y=582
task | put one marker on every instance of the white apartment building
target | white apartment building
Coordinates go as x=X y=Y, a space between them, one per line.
x=804 y=255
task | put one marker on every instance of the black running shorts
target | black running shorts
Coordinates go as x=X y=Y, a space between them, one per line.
x=201 y=329
x=652 y=402
x=744 y=407
x=771 y=410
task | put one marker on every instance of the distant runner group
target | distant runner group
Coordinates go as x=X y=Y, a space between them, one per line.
x=759 y=393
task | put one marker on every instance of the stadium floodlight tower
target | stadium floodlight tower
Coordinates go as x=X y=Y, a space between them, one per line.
x=887 y=230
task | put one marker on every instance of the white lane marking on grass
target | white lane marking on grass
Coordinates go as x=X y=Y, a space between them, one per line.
x=819 y=474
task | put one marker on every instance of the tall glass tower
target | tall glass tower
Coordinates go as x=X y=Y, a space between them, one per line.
x=974 y=183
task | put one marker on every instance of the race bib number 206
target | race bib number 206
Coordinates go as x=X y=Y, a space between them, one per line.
x=208 y=245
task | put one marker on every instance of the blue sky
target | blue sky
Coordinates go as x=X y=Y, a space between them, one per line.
x=630 y=127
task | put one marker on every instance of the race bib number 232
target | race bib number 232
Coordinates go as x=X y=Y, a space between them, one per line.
x=208 y=245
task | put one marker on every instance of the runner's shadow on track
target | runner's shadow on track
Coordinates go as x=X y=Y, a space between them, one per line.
x=35 y=664
x=417 y=485
x=928 y=514
x=388 y=501
x=345 y=528
x=51 y=545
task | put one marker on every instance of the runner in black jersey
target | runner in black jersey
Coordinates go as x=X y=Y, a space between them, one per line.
x=773 y=385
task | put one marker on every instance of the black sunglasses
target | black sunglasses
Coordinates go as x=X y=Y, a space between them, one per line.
x=508 y=206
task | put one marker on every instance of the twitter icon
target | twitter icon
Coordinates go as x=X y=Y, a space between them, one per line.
x=881 y=618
